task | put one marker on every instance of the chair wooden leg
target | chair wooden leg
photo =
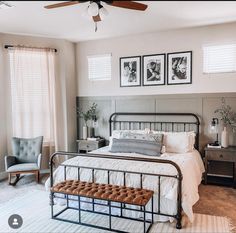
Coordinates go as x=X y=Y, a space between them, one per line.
x=16 y=179
x=37 y=174
x=9 y=178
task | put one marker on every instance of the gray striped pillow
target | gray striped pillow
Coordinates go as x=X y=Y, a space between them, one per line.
x=152 y=148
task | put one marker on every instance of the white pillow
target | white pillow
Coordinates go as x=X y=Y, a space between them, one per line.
x=178 y=142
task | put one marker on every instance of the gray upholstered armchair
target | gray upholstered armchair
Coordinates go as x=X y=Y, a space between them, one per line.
x=26 y=157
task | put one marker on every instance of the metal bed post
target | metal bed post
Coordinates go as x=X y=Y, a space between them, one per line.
x=179 y=206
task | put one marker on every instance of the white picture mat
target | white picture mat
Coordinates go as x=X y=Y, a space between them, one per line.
x=158 y=58
x=188 y=55
x=124 y=79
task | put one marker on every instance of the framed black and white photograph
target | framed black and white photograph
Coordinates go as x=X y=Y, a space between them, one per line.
x=179 y=68
x=130 y=71
x=154 y=70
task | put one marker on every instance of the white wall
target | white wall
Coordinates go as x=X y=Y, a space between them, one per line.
x=154 y=43
x=66 y=89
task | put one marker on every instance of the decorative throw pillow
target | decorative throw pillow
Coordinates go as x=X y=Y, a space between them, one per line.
x=152 y=148
x=146 y=137
x=123 y=134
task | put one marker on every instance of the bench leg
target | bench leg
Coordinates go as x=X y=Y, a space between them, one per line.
x=144 y=219
x=51 y=204
x=109 y=205
x=152 y=211
x=79 y=209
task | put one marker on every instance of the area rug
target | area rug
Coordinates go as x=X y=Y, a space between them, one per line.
x=34 y=208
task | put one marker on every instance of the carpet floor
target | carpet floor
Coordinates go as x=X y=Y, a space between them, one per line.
x=214 y=200
x=39 y=220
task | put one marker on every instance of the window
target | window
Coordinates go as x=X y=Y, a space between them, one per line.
x=99 y=67
x=219 y=58
x=32 y=92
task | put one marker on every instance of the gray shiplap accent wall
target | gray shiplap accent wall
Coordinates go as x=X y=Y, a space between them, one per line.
x=201 y=104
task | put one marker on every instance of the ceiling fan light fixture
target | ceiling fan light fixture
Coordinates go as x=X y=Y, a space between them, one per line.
x=93 y=9
x=103 y=13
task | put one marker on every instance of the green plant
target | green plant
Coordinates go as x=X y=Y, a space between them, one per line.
x=226 y=114
x=89 y=114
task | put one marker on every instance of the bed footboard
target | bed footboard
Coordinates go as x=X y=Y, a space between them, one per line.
x=178 y=177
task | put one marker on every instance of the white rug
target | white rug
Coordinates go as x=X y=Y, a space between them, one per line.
x=35 y=211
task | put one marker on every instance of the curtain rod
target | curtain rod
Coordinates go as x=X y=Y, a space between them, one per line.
x=12 y=46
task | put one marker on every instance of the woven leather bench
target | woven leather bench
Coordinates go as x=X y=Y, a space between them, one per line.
x=108 y=192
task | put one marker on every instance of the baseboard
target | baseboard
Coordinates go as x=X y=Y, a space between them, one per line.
x=3 y=175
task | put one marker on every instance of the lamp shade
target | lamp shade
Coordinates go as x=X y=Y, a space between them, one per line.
x=93 y=9
x=103 y=13
x=213 y=127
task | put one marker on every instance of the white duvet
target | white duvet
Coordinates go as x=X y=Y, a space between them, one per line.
x=190 y=164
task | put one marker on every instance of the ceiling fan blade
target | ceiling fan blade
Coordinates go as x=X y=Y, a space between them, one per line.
x=97 y=18
x=129 y=5
x=61 y=4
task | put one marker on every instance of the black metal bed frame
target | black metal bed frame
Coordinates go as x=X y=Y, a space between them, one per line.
x=141 y=124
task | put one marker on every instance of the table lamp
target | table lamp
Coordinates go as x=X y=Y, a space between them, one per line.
x=214 y=129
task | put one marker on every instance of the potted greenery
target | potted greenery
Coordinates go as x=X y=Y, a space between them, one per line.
x=228 y=117
x=87 y=116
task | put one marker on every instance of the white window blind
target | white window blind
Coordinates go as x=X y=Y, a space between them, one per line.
x=219 y=58
x=99 y=67
x=32 y=92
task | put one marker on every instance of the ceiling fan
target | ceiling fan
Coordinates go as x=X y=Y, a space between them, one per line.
x=96 y=9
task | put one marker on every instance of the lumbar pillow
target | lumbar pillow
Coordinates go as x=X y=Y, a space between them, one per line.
x=146 y=147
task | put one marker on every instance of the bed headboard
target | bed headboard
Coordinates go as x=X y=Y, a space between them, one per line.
x=170 y=122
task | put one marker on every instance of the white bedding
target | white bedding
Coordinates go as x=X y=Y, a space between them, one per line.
x=190 y=164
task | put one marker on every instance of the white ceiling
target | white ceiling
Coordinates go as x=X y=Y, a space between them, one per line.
x=30 y=18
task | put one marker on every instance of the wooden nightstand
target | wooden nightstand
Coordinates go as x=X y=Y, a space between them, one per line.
x=221 y=155
x=87 y=145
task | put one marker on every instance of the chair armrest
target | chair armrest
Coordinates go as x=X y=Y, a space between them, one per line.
x=9 y=161
x=39 y=160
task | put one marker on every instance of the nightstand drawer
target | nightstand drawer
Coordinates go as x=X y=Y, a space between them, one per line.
x=221 y=156
x=85 y=145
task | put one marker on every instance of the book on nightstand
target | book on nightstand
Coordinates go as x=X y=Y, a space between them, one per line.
x=94 y=139
x=211 y=145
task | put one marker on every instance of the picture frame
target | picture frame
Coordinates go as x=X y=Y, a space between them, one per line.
x=130 y=71
x=179 y=68
x=154 y=70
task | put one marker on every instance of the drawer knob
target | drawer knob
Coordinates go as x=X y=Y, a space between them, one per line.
x=87 y=146
x=221 y=156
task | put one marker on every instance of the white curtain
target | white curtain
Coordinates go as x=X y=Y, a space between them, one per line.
x=32 y=78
